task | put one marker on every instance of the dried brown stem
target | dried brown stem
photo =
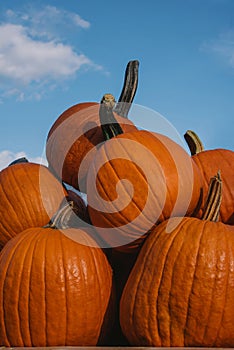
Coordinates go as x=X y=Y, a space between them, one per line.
x=194 y=142
x=65 y=217
x=213 y=200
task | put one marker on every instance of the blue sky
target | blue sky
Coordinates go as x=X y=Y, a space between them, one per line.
x=54 y=54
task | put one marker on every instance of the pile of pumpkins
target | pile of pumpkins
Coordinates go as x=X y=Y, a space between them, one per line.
x=147 y=260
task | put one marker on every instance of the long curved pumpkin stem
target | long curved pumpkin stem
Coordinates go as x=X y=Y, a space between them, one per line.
x=213 y=200
x=194 y=142
x=109 y=124
x=129 y=89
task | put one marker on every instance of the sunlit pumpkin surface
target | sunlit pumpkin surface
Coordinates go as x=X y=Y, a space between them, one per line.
x=138 y=179
x=181 y=289
x=53 y=291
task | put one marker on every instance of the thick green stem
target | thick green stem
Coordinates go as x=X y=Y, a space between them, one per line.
x=193 y=141
x=213 y=200
x=110 y=126
x=129 y=89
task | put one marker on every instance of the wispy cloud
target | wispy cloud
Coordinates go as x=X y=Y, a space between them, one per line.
x=222 y=46
x=6 y=157
x=25 y=59
x=32 y=52
x=48 y=21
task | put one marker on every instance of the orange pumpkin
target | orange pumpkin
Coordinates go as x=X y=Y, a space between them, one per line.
x=29 y=196
x=180 y=290
x=76 y=134
x=55 y=289
x=209 y=162
x=136 y=180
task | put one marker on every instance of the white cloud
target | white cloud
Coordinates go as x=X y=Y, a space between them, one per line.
x=33 y=52
x=46 y=20
x=6 y=157
x=27 y=60
x=80 y=21
x=222 y=46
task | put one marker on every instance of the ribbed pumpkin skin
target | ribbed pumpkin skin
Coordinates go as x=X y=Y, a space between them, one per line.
x=53 y=291
x=209 y=163
x=158 y=170
x=74 y=134
x=181 y=289
x=29 y=196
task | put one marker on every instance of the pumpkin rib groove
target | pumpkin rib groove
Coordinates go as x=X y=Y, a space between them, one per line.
x=32 y=254
x=141 y=138
x=84 y=278
x=34 y=189
x=139 y=276
x=119 y=181
x=13 y=213
x=188 y=230
x=198 y=241
x=94 y=258
x=161 y=266
x=4 y=228
x=132 y=309
x=25 y=290
x=166 y=247
x=120 y=213
x=138 y=172
x=31 y=238
x=169 y=252
x=16 y=315
x=46 y=283
x=7 y=268
x=141 y=175
x=179 y=251
x=130 y=137
x=107 y=219
x=159 y=284
x=26 y=208
x=212 y=298
x=65 y=289
x=3 y=330
x=132 y=200
x=226 y=290
x=168 y=187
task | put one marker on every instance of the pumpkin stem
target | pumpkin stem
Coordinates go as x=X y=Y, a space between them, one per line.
x=129 y=89
x=194 y=142
x=213 y=200
x=65 y=217
x=110 y=126
x=19 y=160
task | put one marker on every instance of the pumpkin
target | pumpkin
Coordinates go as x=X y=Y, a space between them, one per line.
x=29 y=196
x=136 y=180
x=55 y=289
x=209 y=162
x=75 y=135
x=180 y=290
